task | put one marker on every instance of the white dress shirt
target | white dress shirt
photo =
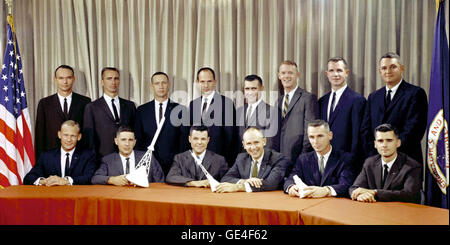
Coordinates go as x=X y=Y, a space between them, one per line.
x=164 y=106
x=209 y=99
x=325 y=161
x=339 y=93
x=291 y=94
x=389 y=164
x=61 y=101
x=63 y=166
x=258 y=164
x=394 y=89
x=116 y=102
x=253 y=106
x=132 y=162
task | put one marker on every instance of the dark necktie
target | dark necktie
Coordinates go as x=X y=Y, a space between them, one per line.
x=66 y=168
x=160 y=111
x=332 y=105
x=388 y=98
x=255 y=169
x=385 y=174
x=127 y=165
x=65 y=109
x=205 y=103
x=116 y=116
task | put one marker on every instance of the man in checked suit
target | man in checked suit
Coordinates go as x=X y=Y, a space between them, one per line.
x=116 y=166
x=400 y=104
x=258 y=169
x=257 y=113
x=55 y=109
x=343 y=109
x=390 y=175
x=186 y=172
x=103 y=116
x=65 y=165
x=148 y=116
x=327 y=171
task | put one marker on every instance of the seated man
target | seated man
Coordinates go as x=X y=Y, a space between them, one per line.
x=326 y=171
x=185 y=171
x=390 y=175
x=65 y=165
x=115 y=166
x=258 y=169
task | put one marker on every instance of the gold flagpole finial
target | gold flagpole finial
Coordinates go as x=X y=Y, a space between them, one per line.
x=10 y=5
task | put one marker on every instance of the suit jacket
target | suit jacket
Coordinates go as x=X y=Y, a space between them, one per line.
x=170 y=141
x=264 y=117
x=220 y=120
x=184 y=168
x=112 y=166
x=345 y=123
x=100 y=128
x=271 y=171
x=338 y=172
x=403 y=182
x=50 y=116
x=407 y=112
x=82 y=166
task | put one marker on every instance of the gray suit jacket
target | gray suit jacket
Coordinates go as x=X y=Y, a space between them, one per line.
x=271 y=171
x=303 y=107
x=184 y=168
x=112 y=166
x=402 y=184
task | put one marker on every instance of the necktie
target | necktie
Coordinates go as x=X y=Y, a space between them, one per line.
x=127 y=165
x=388 y=98
x=385 y=174
x=116 y=116
x=205 y=103
x=255 y=169
x=66 y=168
x=249 y=113
x=321 y=167
x=332 y=105
x=65 y=108
x=286 y=105
x=160 y=111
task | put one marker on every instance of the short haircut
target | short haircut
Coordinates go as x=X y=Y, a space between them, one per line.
x=124 y=128
x=386 y=127
x=207 y=69
x=252 y=129
x=391 y=55
x=318 y=123
x=200 y=128
x=252 y=78
x=337 y=59
x=64 y=67
x=159 y=73
x=289 y=62
x=109 y=69
x=71 y=123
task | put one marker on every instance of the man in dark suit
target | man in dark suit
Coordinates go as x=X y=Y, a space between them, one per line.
x=66 y=165
x=217 y=112
x=148 y=116
x=343 y=109
x=185 y=171
x=326 y=171
x=257 y=113
x=116 y=166
x=297 y=107
x=258 y=169
x=55 y=109
x=400 y=104
x=103 y=116
x=389 y=176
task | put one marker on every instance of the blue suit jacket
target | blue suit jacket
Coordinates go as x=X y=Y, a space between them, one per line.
x=407 y=112
x=82 y=166
x=338 y=171
x=345 y=123
x=171 y=139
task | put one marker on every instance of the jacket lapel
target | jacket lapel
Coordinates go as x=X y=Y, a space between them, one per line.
x=104 y=106
x=331 y=165
x=264 y=167
x=295 y=98
x=58 y=106
x=398 y=95
x=393 y=171
x=341 y=104
x=57 y=161
x=377 y=172
x=313 y=165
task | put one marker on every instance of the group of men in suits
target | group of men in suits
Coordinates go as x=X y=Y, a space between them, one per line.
x=281 y=129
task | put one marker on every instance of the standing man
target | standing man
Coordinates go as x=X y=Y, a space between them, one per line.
x=217 y=112
x=390 y=175
x=343 y=109
x=400 y=104
x=297 y=107
x=327 y=171
x=55 y=109
x=148 y=116
x=257 y=113
x=103 y=116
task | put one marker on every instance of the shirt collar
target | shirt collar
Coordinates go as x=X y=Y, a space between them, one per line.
x=394 y=89
x=209 y=97
x=291 y=94
x=107 y=98
x=340 y=91
x=326 y=156
x=201 y=156
x=389 y=164
x=63 y=152
x=61 y=98
x=259 y=160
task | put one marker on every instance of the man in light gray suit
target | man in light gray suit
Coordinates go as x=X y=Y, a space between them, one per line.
x=297 y=107
x=186 y=172
x=115 y=166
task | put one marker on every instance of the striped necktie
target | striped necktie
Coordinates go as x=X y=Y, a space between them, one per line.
x=285 y=105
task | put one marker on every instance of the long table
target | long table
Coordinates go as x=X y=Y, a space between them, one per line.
x=163 y=204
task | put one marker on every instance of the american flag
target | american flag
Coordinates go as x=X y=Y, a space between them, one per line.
x=16 y=145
